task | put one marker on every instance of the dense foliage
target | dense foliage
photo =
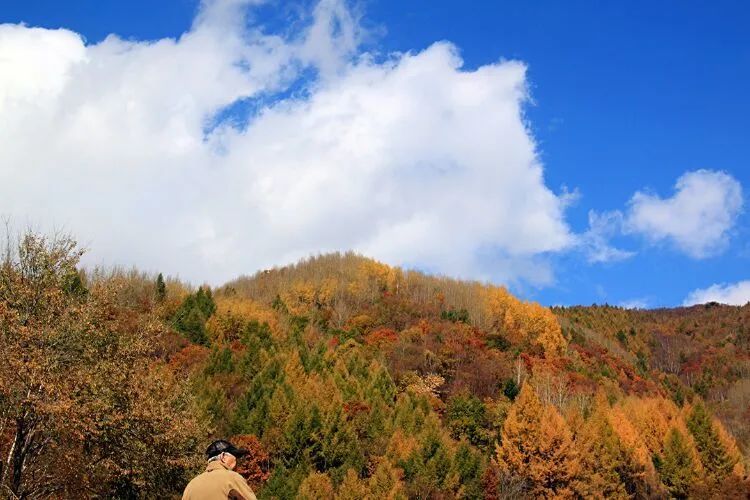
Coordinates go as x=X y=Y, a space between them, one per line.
x=351 y=379
x=87 y=407
x=700 y=351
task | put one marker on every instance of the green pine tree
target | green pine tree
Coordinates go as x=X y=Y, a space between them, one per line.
x=220 y=361
x=676 y=467
x=191 y=317
x=161 y=289
x=714 y=455
x=194 y=327
x=511 y=389
x=466 y=417
x=205 y=301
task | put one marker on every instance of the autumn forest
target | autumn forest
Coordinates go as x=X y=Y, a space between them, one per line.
x=350 y=379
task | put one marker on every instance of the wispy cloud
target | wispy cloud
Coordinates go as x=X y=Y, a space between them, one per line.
x=596 y=240
x=637 y=303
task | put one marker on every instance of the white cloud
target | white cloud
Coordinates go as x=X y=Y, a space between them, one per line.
x=411 y=160
x=696 y=219
x=595 y=241
x=737 y=294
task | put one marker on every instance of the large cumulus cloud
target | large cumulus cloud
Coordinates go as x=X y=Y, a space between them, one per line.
x=136 y=147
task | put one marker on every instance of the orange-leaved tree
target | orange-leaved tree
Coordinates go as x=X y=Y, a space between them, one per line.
x=538 y=446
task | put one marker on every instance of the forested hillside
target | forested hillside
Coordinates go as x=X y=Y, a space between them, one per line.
x=352 y=379
x=701 y=351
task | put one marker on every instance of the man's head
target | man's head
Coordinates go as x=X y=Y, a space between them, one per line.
x=225 y=452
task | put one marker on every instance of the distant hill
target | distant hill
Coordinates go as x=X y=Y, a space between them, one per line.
x=701 y=350
x=352 y=379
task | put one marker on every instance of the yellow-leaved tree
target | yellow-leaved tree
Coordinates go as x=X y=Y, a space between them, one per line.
x=524 y=321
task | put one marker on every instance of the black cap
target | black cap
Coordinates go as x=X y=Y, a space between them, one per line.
x=222 y=446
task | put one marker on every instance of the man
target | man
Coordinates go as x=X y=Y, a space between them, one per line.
x=220 y=482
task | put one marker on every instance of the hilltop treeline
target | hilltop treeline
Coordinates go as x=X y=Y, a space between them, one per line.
x=351 y=379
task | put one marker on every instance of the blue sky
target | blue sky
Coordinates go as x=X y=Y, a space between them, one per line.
x=627 y=97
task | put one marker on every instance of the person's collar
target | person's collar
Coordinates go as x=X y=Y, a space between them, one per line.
x=215 y=465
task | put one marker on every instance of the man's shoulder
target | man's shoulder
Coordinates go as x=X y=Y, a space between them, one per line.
x=236 y=476
x=224 y=474
x=211 y=476
x=212 y=482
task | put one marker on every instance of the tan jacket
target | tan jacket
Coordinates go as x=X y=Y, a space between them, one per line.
x=218 y=483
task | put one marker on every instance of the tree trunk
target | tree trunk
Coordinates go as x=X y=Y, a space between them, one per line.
x=18 y=456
